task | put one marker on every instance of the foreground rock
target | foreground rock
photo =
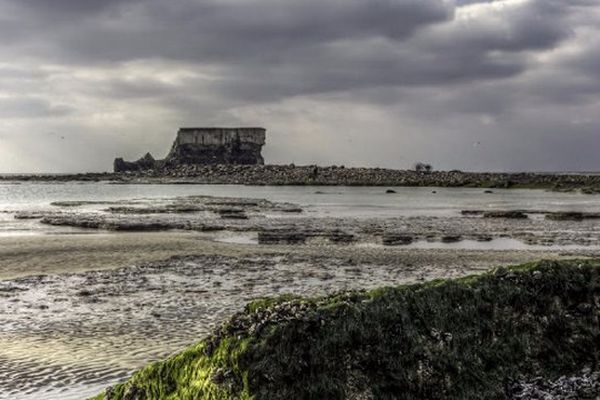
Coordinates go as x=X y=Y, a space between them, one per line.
x=579 y=387
x=461 y=339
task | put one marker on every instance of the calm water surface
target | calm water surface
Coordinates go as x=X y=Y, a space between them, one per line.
x=358 y=202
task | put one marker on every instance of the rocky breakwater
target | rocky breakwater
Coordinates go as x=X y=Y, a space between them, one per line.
x=340 y=175
x=180 y=171
x=480 y=333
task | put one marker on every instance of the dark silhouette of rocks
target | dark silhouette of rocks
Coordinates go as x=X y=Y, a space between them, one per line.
x=143 y=164
x=572 y=216
x=204 y=146
x=290 y=174
x=396 y=239
x=512 y=214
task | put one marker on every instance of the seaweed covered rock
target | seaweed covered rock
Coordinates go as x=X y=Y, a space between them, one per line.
x=470 y=338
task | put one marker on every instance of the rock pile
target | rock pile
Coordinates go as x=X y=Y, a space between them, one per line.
x=327 y=176
x=294 y=236
x=580 y=387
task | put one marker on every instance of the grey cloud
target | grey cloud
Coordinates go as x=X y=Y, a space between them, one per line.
x=274 y=48
x=27 y=107
x=514 y=74
x=69 y=8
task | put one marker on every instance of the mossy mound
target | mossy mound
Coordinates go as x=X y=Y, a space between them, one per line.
x=457 y=339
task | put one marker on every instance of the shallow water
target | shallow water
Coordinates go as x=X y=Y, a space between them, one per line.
x=67 y=336
x=343 y=201
x=355 y=202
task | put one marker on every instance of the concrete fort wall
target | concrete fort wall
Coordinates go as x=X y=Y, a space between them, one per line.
x=220 y=136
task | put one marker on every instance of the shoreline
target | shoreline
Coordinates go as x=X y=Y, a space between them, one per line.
x=291 y=175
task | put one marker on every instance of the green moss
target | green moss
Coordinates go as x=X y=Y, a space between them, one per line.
x=192 y=374
x=458 y=339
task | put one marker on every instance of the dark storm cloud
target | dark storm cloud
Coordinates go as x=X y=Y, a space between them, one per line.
x=272 y=48
x=196 y=29
x=455 y=71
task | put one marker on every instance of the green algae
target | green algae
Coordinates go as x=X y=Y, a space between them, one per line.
x=194 y=373
x=446 y=339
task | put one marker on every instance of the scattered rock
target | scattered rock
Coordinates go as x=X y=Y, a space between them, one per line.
x=590 y=190
x=30 y=215
x=471 y=212
x=290 y=210
x=338 y=236
x=578 y=387
x=451 y=238
x=396 y=239
x=281 y=237
x=571 y=216
x=236 y=215
x=512 y=214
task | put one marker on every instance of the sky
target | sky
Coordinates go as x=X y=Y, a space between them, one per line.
x=505 y=85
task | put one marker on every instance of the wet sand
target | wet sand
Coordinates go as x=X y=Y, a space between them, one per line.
x=79 y=312
x=55 y=254
x=22 y=256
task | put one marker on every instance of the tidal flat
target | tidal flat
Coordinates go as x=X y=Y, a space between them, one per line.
x=93 y=286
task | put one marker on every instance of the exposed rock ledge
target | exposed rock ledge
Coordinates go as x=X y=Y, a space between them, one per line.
x=470 y=338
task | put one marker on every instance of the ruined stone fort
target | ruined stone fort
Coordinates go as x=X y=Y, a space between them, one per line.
x=205 y=146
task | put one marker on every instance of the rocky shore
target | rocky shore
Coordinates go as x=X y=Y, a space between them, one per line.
x=332 y=175
x=529 y=324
